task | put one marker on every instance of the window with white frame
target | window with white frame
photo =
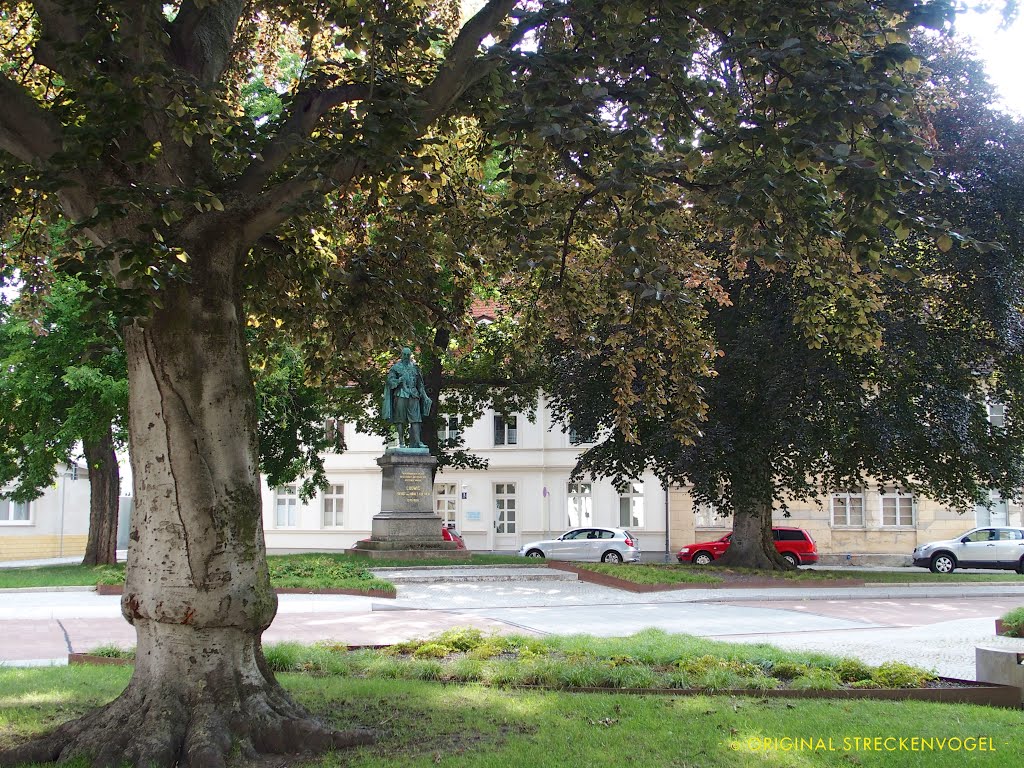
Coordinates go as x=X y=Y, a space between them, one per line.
x=706 y=516
x=505 y=431
x=286 y=506
x=446 y=501
x=631 y=506
x=580 y=504
x=448 y=429
x=897 y=508
x=996 y=414
x=15 y=512
x=848 y=509
x=505 y=508
x=334 y=506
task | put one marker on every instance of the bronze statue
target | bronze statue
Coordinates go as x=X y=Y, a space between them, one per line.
x=406 y=400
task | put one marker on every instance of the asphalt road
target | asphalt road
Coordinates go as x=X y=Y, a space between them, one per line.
x=933 y=627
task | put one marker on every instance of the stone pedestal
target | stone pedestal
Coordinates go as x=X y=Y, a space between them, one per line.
x=407 y=525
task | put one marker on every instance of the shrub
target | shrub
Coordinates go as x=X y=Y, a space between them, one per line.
x=1013 y=622
x=486 y=651
x=852 y=670
x=109 y=574
x=113 y=652
x=895 y=674
x=817 y=680
x=461 y=639
x=788 y=670
x=433 y=651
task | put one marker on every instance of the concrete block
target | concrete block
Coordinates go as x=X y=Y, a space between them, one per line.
x=1000 y=665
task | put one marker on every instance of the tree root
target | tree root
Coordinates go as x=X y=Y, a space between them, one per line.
x=198 y=728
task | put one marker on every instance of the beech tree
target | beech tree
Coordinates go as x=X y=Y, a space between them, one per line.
x=790 y=416
x=620 y=130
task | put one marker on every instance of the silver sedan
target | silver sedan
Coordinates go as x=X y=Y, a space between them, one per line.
x=606 y=545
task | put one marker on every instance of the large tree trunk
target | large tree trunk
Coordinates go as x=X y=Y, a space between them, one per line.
x=752 y=545
x=197 y=587
x=104 y=497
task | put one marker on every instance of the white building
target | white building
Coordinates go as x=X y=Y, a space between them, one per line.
x=524 y=494
x=54 y=525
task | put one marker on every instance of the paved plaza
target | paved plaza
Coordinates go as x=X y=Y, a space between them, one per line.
x=934 y=626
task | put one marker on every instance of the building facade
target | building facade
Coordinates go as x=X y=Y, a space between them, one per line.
x=873 y=523
x=525 y=493
x=54 y=525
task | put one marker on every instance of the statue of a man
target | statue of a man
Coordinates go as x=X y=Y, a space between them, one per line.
x=405 y=400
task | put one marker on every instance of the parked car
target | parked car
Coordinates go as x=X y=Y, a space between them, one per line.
x=450 y=534
x=997 y=547
x=794 y=544
x=607 y=545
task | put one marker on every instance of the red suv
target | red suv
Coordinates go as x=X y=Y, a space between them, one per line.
x=794 y=544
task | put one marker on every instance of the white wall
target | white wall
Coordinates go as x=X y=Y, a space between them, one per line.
x=541 y=459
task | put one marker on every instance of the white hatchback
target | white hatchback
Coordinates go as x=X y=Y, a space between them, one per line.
x=605 y=545
x=998 y=547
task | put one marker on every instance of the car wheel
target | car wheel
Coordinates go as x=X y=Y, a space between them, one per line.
x=611 y=556
x=702 y=558
x=535 y=553
x=791 y=558
x=943 y=563
x=1020 y=567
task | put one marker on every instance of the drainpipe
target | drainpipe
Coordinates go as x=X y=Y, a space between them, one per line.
x=668 y=549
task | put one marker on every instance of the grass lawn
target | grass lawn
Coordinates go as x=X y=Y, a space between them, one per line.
x=426 y=724
x=671 y=573
x=309 y=571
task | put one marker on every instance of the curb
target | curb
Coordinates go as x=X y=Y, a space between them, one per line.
x=388 y=594
x=614 y=582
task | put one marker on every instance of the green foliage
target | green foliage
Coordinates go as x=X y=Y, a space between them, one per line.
x=817 y=680
x=64 y=380
x=650 y=659
x=653 y=574
x=322 y=571
x=789 y=670
x=852 y=670
x=112 y=652
x=895 y=674
x=1013 y=622
x=887 y=377
x=435 y=650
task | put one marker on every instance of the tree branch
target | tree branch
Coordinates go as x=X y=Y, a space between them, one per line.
x=271 y=208
x=26 y=131
x=59 y=27
x=307 y=110
x=462 y=68
x=201 y=38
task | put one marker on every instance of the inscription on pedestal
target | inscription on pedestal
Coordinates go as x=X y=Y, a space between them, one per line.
x=407 y=484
